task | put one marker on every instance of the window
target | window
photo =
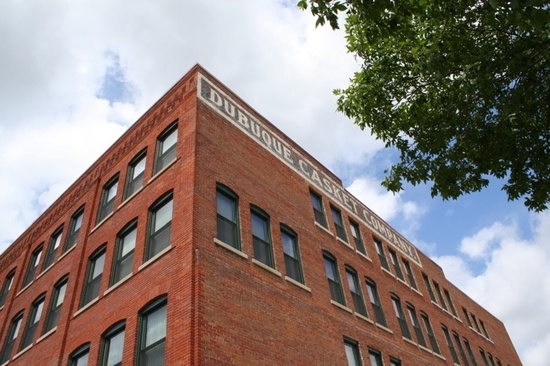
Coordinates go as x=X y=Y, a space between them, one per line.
x=32 y=322
x=107 y=203
x=292 y=254
x=483 y=357
x=375 y=358
x=338 y=223
x=375 y=301
x=56 y=301
x=55 y=240
x=430 y=332
x=33 y=263
x=93 y=276
x=112 y=345
x=470 y=352
x=355 y=289
x=228 y=216
x=467 y=316
x=429 y=287
x=134 y=176
x=356 y=234
x=160 y=222
x=352 y=352
x=450 y=344
x=124 y=253
x=6 y=288
x=474 y=320
x=416 y=325
x=400 y=316
x=440 y=296
x=381 y=255
x=74 y=229
x=13 y=331
x=166 y=147
x=484 y=329
x=448 y=297
x=460 y=349
x=152 y=334
x=261 y=237
x=318 y=211
x=395 y=362
x=410 y=275
x=334 y=284
x=491 y=359
x=80 y=356
x=396 y=266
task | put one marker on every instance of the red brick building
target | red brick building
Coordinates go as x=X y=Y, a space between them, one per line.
x=205 y=236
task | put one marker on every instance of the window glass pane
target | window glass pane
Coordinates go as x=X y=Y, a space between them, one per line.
x=128 y=242
x=226 y=207
x=82 y=360
x=163 y=215
x=77 y=222
x=116 y=344
x=352 y=282
x=169 y=141
x=288 y=245
x=156 y=326
x=111 y=193
x=329 y=267
x=259 y=228
x=139 y=168
x=351 y=354
x=98 y=266
x=61 y=294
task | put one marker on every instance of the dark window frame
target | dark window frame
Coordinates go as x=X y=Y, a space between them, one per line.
x=263 y=247
x=470 y=351
x=353 y=347
x=460 y=349
x=53 y=247
x=33 y=265
x=228 y=228
x=429 y=287
x=33 y=321
x=11 y=337
x=416 y=325
x=374 y=298
x=107 y=203
x=430 y=332
x=165 y=158
x=106 y=343
x=410 y=273
x=400 y=315
x=338 y=221
x=355 y=230
x=55 y=306
x=318 y=209
x=377 y=356
x=356 y=292
x=293 y=263
x=450 y=344
x=335 y=284
x=6 y=287
x=123 y=262
x=74 y=229
x=142 y=348
x=77 y=355
x=158 y=239
x=135 y=183
x=395 y=261
x=379 y=248
x=92 y=285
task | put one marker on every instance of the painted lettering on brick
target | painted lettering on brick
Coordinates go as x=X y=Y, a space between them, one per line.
x=276 y=144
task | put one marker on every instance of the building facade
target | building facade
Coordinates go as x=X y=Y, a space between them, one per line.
x=205 y=236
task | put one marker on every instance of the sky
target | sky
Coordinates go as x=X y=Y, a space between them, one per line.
x=74 y=75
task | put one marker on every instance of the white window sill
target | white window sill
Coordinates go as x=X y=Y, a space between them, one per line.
x=384 y=328
x=362 y=317
x=46 y=335
x=324 y=228
x=230 y=248
x=18 y=354
x=343 y=307
x=348 y=245
x=363 y=255
x=85 y=307
x=155 y=258
x=296 y=283
x=266 y=267
x=119 y=283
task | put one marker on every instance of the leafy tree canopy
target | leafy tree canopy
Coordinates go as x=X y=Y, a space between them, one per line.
x=460 y=88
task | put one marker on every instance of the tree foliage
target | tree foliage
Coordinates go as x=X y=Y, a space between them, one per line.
x=460 y=88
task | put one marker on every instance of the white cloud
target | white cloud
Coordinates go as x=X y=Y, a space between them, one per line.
x=514 y=284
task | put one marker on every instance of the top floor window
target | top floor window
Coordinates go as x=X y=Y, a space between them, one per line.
x=6 y=288
x=228 y=216
x=410 y=274
x=381 y=254
x=356 y=234
x=261 y=237
x=166 y=147
x=33 y=263
x=318 y=210
x=335 y=286
x=74 y=229
x=55 y=241
x=429 y=287
x=396 y=266
x=338 y=223
x=134 y=177
x=107 y=203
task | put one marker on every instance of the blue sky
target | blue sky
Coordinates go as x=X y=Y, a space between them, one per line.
x=75 y=75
